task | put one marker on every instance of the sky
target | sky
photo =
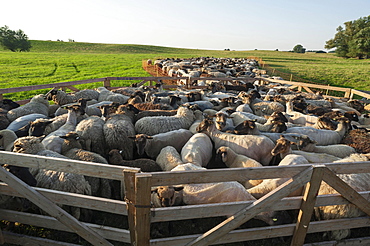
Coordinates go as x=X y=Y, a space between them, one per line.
x=197 y=24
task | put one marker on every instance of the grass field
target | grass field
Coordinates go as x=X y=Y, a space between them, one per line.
x=52 y=62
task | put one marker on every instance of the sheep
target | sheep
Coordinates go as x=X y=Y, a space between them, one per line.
x=197 y=150
x=5 y=106
x=152 y=145
x=283 y=149
x=72 y=149
x=322 y=136
x=253 y=146
x=56 y=180
x=38 y=104
x=168 y=158
x=158 y=124
x=239 y=117
x=146 y=165
x=339 y=150
x=24 y=120
x=359 y=139
x=298 y=117
x=198 y=118
x=234 y=160
x=7 y=138
x=359 y=182
x=118 y=128
x=52 y=140
x=91 y=131
x=107 y=95
x=267 y=108
x=155 y=112
x=342 y=107
x=60 y=97
x=92 y=109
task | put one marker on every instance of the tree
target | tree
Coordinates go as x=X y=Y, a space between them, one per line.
x=352 y=40
x=14 y=40
x=299 y=49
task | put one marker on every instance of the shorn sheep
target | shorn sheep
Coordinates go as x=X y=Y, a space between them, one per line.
x=234 y=160
x=152 y=145
x=169 y=158
x=197 y=150
x=254 y=146
x=7 y=138
x=159 y=124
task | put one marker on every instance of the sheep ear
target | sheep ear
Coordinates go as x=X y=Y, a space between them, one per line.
x=132 y=137
x=64 y=137
x=148 y=137
x=178 y=188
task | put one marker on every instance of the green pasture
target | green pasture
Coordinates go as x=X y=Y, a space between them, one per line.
x=52 y=62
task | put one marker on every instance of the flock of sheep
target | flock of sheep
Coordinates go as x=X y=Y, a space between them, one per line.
x=224 y=126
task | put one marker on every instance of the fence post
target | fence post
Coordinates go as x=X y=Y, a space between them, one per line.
x=142 y=205
x=129 y=178
x=106 y=83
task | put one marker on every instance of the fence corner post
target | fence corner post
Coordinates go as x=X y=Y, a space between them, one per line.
x=142 y=205
x=106 y=82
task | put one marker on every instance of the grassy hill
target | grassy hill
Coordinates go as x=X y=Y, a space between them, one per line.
x=52 y=62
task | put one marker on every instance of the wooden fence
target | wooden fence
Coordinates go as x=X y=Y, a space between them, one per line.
x=137 y=203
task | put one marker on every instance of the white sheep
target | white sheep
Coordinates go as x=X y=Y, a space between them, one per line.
x=168 y=158
x=239 y=117
x=38 y=104
x=52 y=140
x=107 y=95
x=339 y=150
x=152 y=145
x=359 y=182
x=159 y=124
x=60 y=97
x=253 y=146
x=323 y=136
x=296 y=117
x=22 y=121
x=234 y=160
x=197 y=150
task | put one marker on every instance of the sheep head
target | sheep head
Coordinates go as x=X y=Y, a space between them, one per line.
x=166 y=196
x=140 y=142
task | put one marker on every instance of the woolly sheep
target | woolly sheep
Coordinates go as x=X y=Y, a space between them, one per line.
x=107 y=95
x=38 y=104
x=60 y=97
x=159 y=124
x=56 y=180
x=155 y=112
x=72 y=149
x=118 y=128
x=152 y=145
x=197 y=150
x=168 y=158
x=146 y=165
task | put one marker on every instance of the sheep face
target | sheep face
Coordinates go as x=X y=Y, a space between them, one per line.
x=204 y=125
x=245 y=128
x=8 y=104
x=169 y=196
x=282 y=146
x=140 y=142
x=28 y=145
x=23 y=173
x=222 y=153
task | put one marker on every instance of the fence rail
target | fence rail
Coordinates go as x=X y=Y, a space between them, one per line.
x=140 y=215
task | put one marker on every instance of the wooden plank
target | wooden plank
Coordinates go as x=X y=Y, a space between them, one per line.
x=308 y=203
x=308 y=89
x=258 y=233
x=129 y=177
x=242 y=174
x=73 y=199
x=20 y=239
x=116 y=234
x=344 y=242
x=142 y=205
x=48 y=86
x=360 y=93
x=72 y=88
x=346 y=191
x=52 y=209
x=263 y=204
x=100 y=170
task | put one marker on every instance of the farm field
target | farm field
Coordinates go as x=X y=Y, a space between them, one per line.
x=52 y=62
